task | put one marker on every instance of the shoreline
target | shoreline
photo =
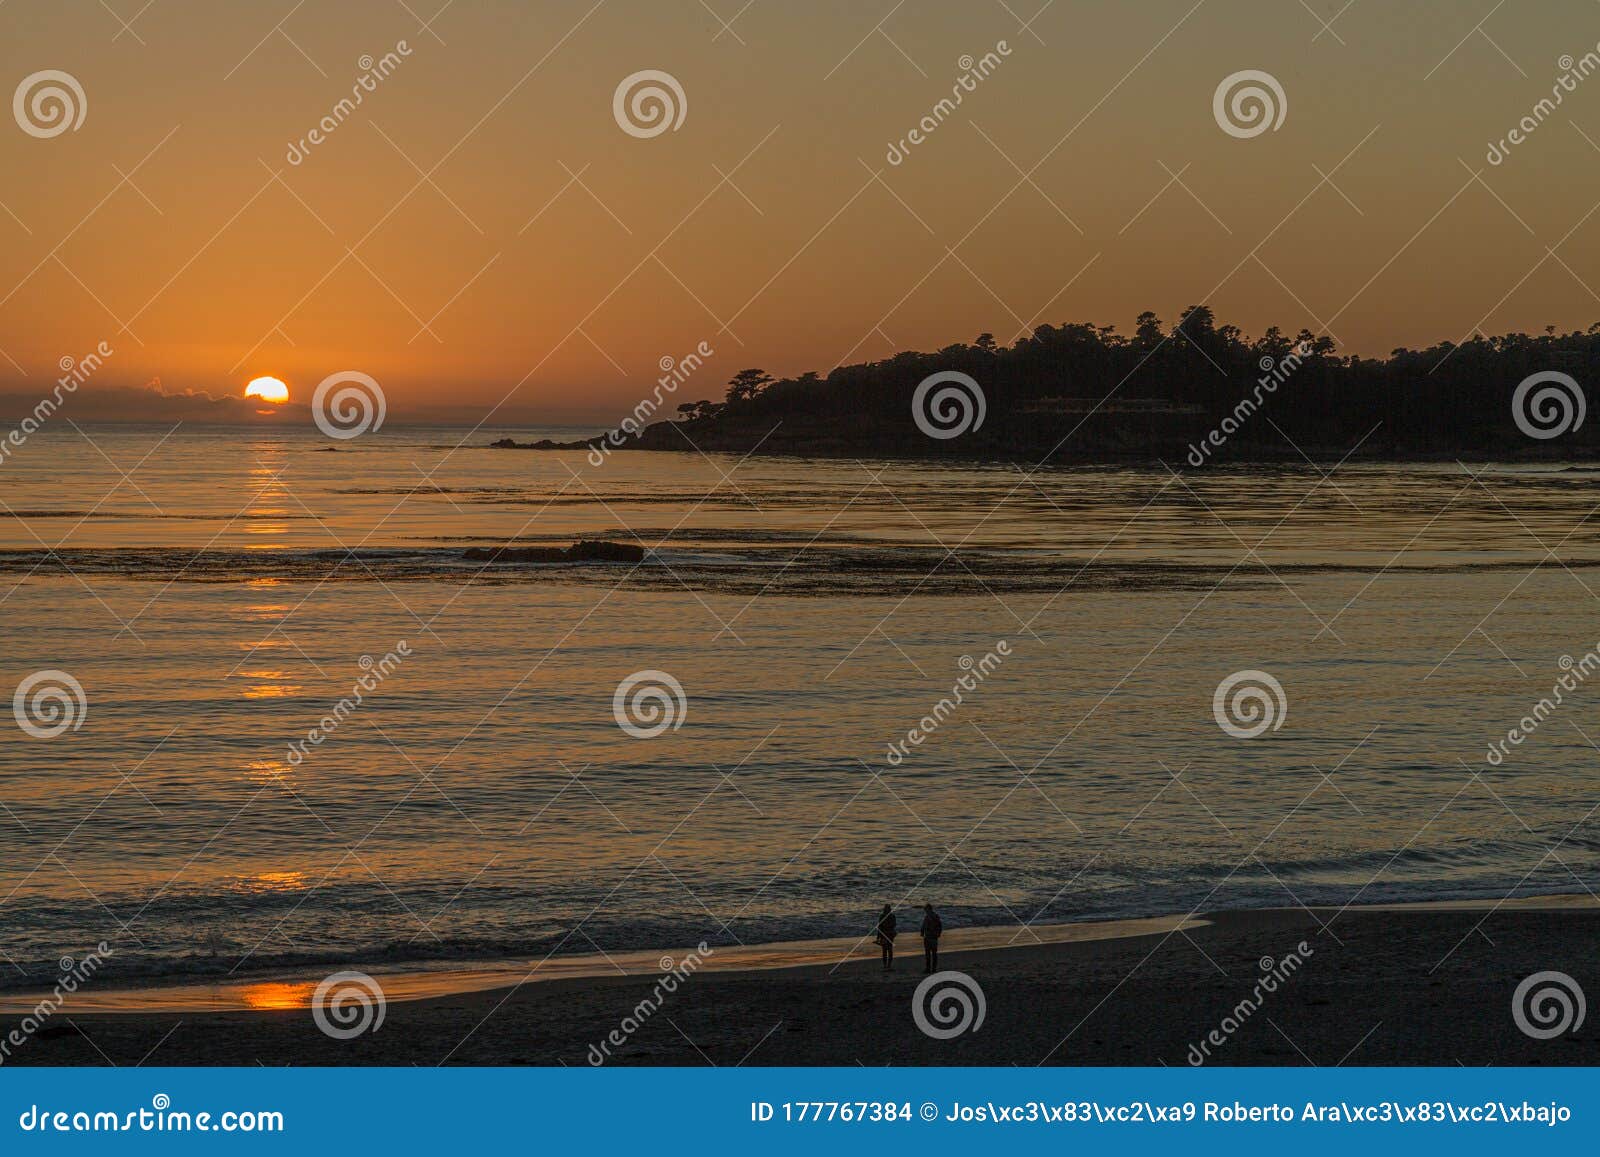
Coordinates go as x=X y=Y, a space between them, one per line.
x=294 y=989
x=1430 y=984
x=915 y=453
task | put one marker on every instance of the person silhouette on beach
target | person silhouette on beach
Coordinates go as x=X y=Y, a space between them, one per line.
x=885 y=937
x=932 y=926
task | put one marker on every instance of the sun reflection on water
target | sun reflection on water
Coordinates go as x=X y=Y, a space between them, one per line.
x=268 y=772
x=291 y=881
x=274 y=994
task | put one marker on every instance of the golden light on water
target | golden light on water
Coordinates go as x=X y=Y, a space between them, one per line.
x=273 y=882
x=268 y=772
x=267 y=389
x=278 y=995
x=277 y=685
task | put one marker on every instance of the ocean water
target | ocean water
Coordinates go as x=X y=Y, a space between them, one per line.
x=218 y=593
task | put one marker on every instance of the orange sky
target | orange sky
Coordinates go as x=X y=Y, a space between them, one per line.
x=480 y=231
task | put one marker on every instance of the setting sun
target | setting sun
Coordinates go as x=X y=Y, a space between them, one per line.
x=267 y=389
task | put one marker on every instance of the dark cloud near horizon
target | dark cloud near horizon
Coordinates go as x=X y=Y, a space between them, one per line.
x=147 y=404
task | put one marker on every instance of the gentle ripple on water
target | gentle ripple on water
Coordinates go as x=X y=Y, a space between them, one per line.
x=483 y=804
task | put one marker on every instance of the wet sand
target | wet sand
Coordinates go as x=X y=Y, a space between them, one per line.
x=1419 y=984
x=245 y=995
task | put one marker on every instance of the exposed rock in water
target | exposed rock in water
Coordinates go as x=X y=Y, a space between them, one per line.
x=601 y=551
x=541 y=444
x=514 y=554
x=597 y=551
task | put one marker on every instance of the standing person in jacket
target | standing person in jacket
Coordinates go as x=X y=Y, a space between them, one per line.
x=932 y=926
x=885 y=937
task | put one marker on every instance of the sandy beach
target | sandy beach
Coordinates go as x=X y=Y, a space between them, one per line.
x=1419 y=984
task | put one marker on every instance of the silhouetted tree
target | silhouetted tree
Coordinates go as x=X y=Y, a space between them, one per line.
x=747 y=384
x=1084 y=390
x=695 y=411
